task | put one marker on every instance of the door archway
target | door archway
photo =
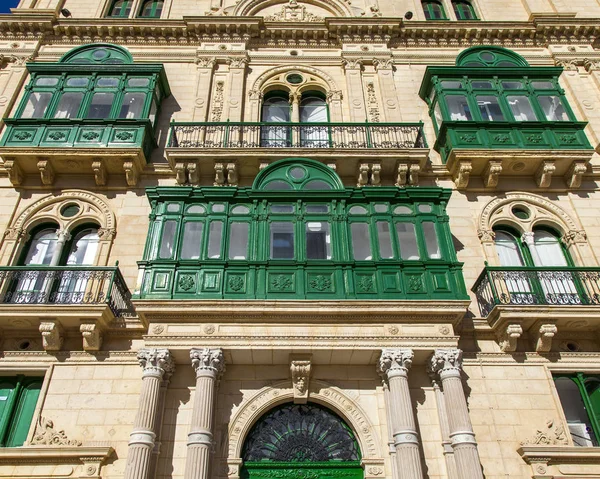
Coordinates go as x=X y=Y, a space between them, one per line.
x=301 y=441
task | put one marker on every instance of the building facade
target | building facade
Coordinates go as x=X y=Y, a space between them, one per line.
x=342 y=239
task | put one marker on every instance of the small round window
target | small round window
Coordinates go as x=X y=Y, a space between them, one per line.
x=70 y=210
x=487 y=57
x=521 y=212
x=294 y=78
x=297 y=173
x=100 y=54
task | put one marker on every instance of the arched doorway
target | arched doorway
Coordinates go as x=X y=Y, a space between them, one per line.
x=301 y=441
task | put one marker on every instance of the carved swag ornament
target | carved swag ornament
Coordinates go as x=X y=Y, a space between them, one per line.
x=46 y=435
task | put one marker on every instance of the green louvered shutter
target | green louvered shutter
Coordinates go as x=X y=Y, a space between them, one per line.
x=23 y=414
x=8 y=396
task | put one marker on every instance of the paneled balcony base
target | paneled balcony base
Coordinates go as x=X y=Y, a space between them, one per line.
x=541 y=165
x=49 y=163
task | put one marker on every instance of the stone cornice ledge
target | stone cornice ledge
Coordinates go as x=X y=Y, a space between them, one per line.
x=560 y=454
x=52 y=454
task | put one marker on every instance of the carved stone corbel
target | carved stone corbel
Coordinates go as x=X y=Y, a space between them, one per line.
x=100 y=175
x=300 y=368
x=413 y=174
x=92 y=336
x=180 y=173
x=543 y=175
x=463 y=174
x=193 y=173
x=52 y=334
x=15 y=173
x=402 y=174
x=219 y=174
x=375 y=174
x=575 y=174
x=46 y=172
x=131 y=173
x=508 y=339
x=363 y=175
x=232 y=174
x=492 y=172
x=486 y=236
x=543 y=337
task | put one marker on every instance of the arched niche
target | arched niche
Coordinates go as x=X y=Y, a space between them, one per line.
x=91 y=210
x=539 y=212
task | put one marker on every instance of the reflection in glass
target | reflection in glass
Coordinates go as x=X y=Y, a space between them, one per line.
x=69 y=104
x=167 y=239
x=521 y=108
x=281 y=240
x=489 y=108
x=458 y=108
x=318 y=240
x=101 y=105
x=431 y=240
x=238 y=240
x=192 y=239
x=132 y=106
x=576 y=414
x=553 y=108
x=36 y=105
x=407 y=239
x=361 y=241
x=384 y=239
x=215 y=234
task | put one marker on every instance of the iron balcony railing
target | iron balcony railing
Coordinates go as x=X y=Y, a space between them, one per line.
x=66 y=285
x=533 y=286
x=297 y=135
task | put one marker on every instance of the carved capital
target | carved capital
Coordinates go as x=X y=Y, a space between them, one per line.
x=528 y=238
x=156 y=362
x=352 y=63
x=300 y=369
x=491 y=174
x=107 y=234
x=446 y=362
x=543 y=175
x=574 y=236
x=395 y=362
x=383 y=63
x=463 y=174
x=486 y=236
x=255 y=95
x=569 y=65
x=46 y=172
x=508 y=340
x=92 y=336
x=237 y=62
x=52 y=334
x=334 y=95
x=208 y=360
x=15 y=234
x=575 y=174
x=206 y=62
x=591 y=65
x=543 y=337
x=100 y=174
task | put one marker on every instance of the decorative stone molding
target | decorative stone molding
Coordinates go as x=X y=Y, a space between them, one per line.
x=193 y=173
x=300 y=369
x=553 y=434
x=543 y=175
x=393 y=361
x=334 y=96
x=180 y=173
x=575 y=174
x=237 y=62
x=206 y=62
x=218 y=102
x=508 y=340
x=292 y=12
x=131 y=173
x=156 y=362
x=445 y=361
x=100 y=174
x=46 y=172
x=46 y=435
x=591 y=65
x=52 y=335
x=543 y=337
x=352 y=63
x=207 y=359
x=16 y=234
x=232 y=174
x=492 y=173
x=15 y=173
x=274 y=73
x=463 y=174
x=574 y=236
x=92 y=336
x=383 y=63
x=373 y=104
x=486 y=236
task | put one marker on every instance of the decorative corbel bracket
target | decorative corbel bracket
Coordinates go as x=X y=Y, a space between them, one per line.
x=402 y=174
x=369 y=174
x=375 y=174
x=575 y=174
x=543 y=175
x=463 y=174
x=300 y=368
x=219 y=174
x=509 y=338
x=91 y=333
x=52 y=334
x=15 y=173
x=492 y=173
x=180 y=173
x=193 y=173
x=46 y=172
x=543 y=335
x=132 y=173
x=100 y=174
x=413 y=174
x=232 y=174
x=363 y=175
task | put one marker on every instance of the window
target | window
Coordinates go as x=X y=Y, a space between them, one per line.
x=18 y=399
x=151 y=9
x=120 y=8
x=433 y=10
x=275 y=109
x=580 y=398
x=463 y=10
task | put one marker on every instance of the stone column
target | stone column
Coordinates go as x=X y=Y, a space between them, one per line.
x=445 y=429
x=209 y=365
x=356 y=98
x=156 y=363
x=447 y=363
x=394 y=365
x=205 y=70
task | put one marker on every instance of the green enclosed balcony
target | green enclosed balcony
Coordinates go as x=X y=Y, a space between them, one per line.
x=494 y=115
x=92 y=113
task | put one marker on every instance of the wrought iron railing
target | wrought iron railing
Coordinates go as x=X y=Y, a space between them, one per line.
x=533 y=286
x=66 y=285
x=297 y=135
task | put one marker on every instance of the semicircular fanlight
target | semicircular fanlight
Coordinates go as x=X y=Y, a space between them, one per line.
x=300 y=433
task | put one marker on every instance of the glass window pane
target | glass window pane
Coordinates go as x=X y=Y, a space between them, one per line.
x=542 y=85
x=276 y=110
x=451 y=84
x=437 y=112
x=318 y=240
x=215 y=233
x=481 y=85
x=282 y=240
x=191 y=244
x=238 y=240
x=240 y=210
x=218 y=208
x=380 y=208
x=431 y=240
x=84 y=248
x=277 y=185
x=133 y=105
x=101 y=105
x=316 y=185
x=361 y=241
x=576 y=414
x=77 y=82
x=508 y=249
x=42 y=247
x=152 y=114
x=46 y=81
x=358 y=210
x=173 y=207
x=138 y=82
x=424 y=208
x=36 y=105
x=402 y=210
x=549 y=251
x=317 y=208
x=553 y=108
x=384 y=240
x=512 y=85
x=107 y=82
x=69 y=104
x=167 y=239
x=407 y=239
x=313 y=110
x=458 y=108
x=281 y=208
x=196 y=209
x=521 y=108
x=489 y=108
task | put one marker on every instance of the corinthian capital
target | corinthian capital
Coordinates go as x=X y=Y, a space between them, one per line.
x=446 y=361
x=156 y=362
x=208 y=360
x=395 y=361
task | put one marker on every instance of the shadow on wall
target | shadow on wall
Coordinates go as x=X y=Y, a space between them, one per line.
x=169 y=107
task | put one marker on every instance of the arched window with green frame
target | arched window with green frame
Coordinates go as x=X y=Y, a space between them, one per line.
x=301 y=440
x=433 y=10
x=464 y=10
x=151 y=9
x=120 y=9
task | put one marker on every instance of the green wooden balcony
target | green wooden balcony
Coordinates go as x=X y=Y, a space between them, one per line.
x=529 y=286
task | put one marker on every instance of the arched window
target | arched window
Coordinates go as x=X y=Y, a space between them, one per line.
x=42 y=247
x=120 y=8
x=313 y=109
x=275 y=109
x=305 y=439
x=151 y=9
x=463 y=9
x=579 y=399
x=434 y=10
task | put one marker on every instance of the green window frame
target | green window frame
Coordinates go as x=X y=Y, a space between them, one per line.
x=151 y=9
x=120 y=9
x=18 y=400
x=583 y=411
x=464 y=10
x=434 y=10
